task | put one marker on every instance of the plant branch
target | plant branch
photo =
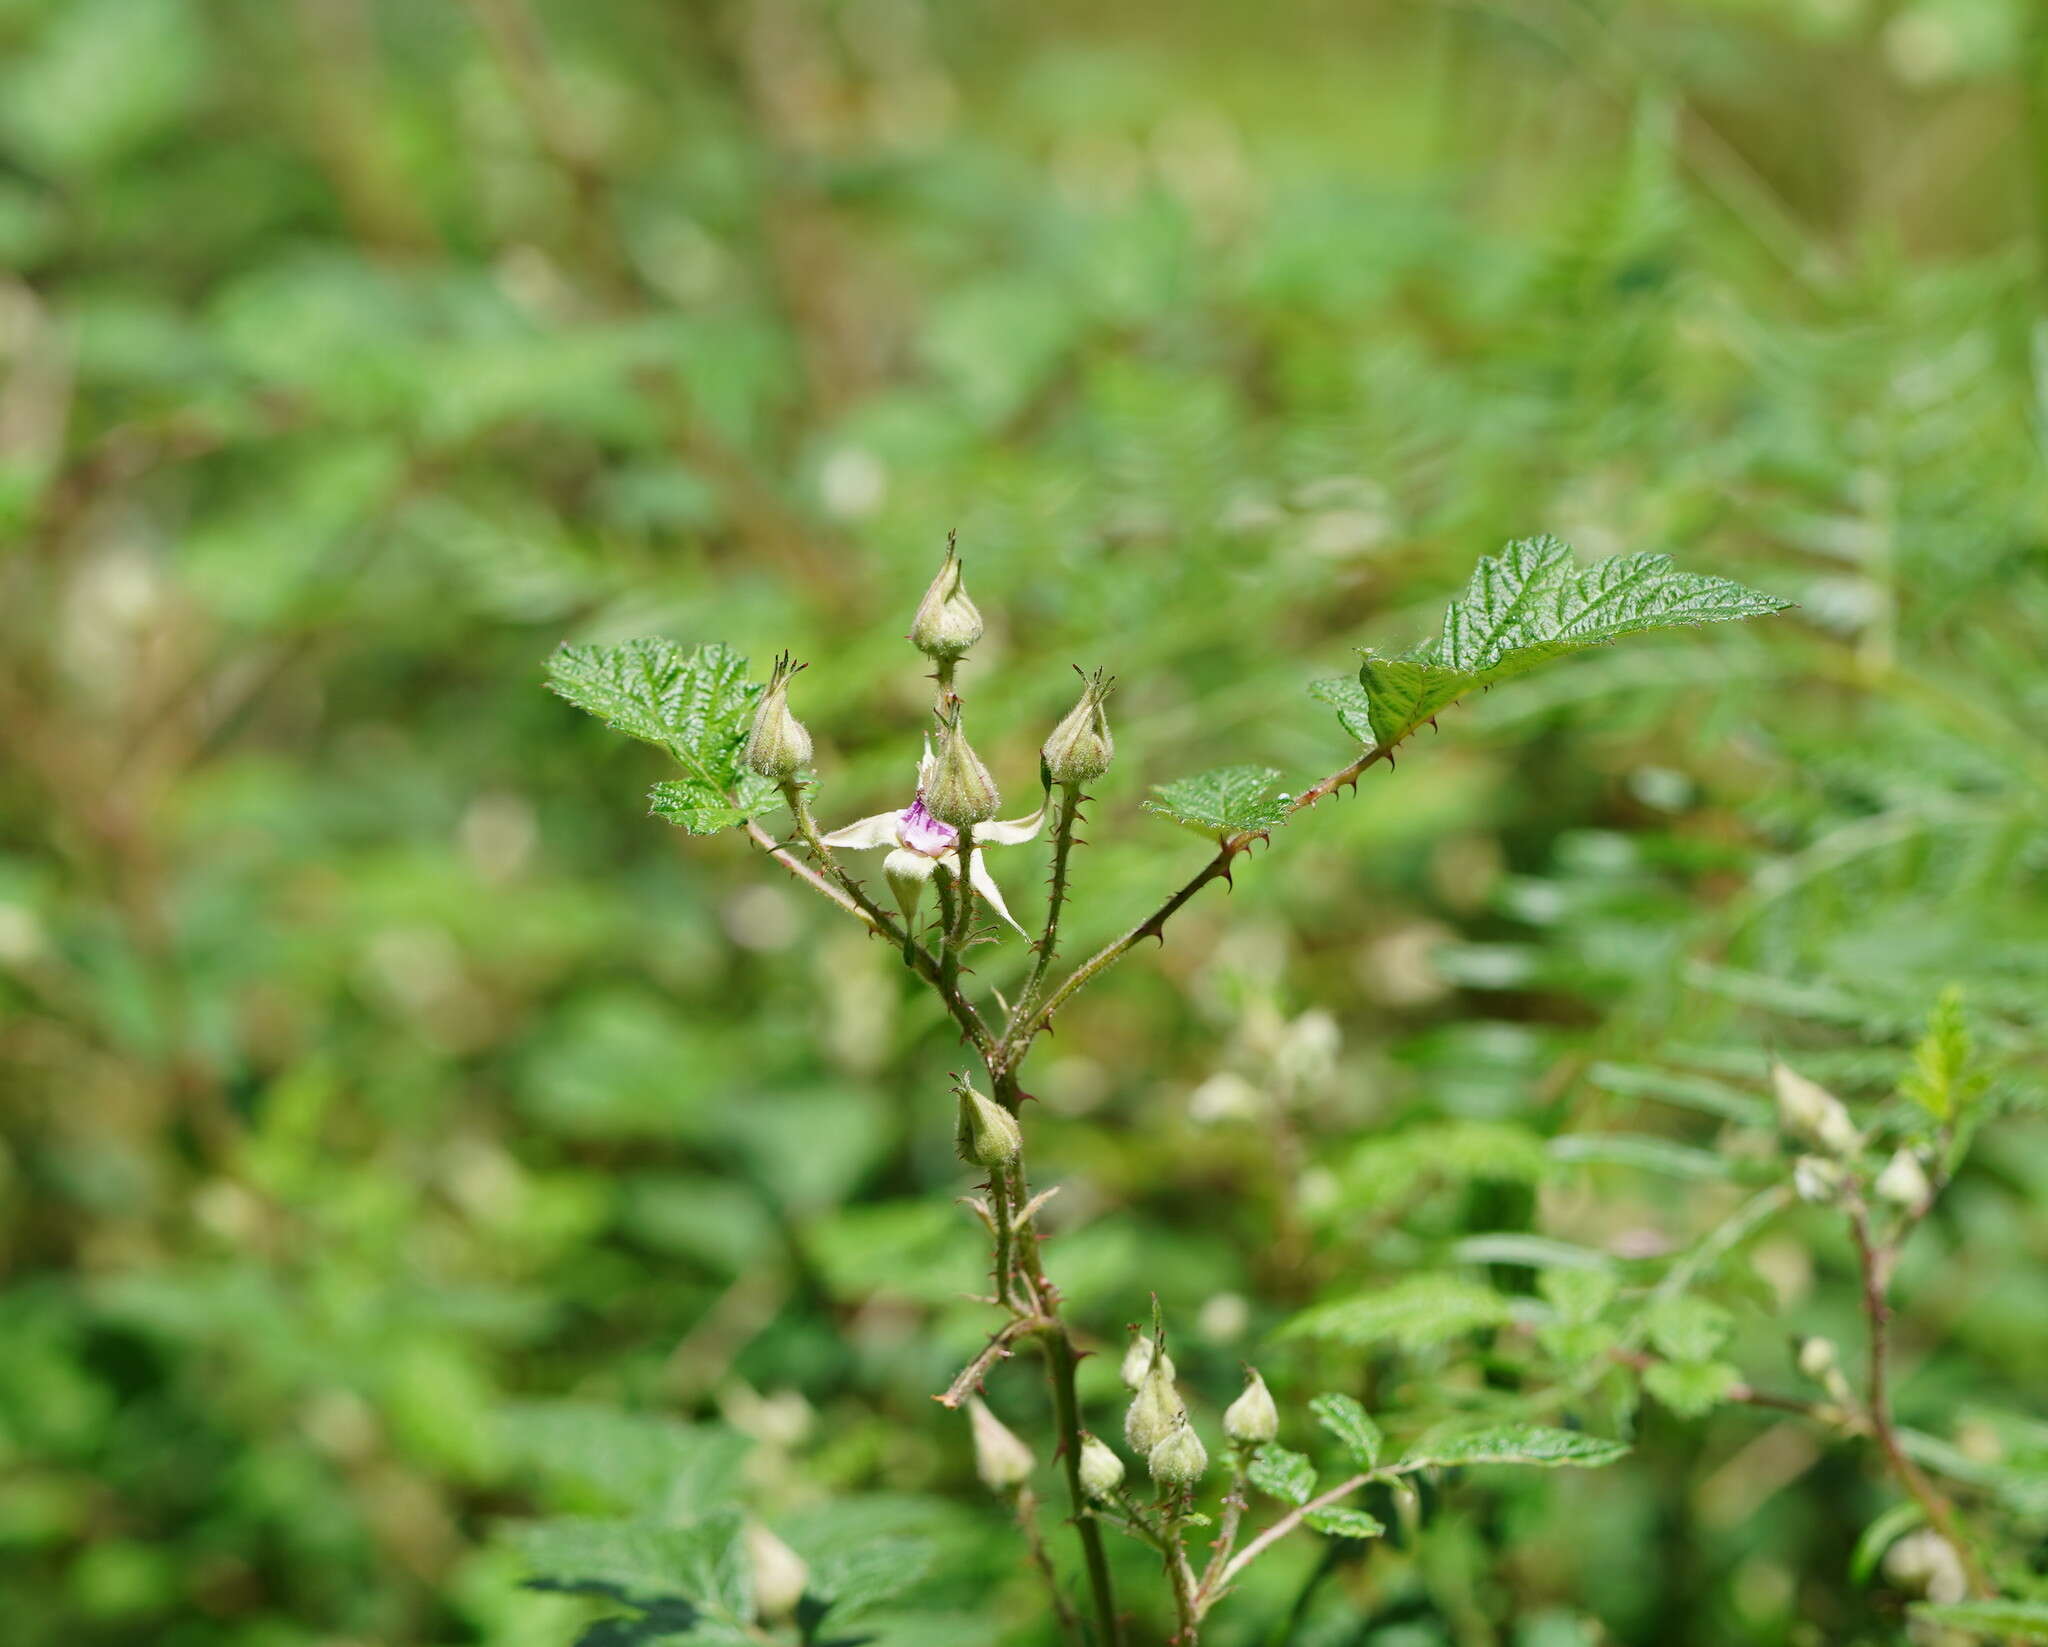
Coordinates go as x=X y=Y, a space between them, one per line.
x=1041 y=1558
x=1154 y=925
x=1063 y=843
x=1873 y=1262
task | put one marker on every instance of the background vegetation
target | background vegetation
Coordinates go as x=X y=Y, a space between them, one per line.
x=395 y=1122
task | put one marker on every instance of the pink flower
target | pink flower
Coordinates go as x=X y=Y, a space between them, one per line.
x=922 y=843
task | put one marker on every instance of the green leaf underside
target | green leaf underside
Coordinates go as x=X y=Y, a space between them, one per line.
x=696 y=704
x=1347 y=696
x=1284 y=1474
x=2025 y=1620
x=1351 y=1424
x=1417 y=1313
x=700 y=1563
x=1232 y=800
x=1531 y=1444
x=1531 y=603
x=1339 y=1523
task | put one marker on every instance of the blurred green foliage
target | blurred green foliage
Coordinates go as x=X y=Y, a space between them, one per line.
x=390 y=1111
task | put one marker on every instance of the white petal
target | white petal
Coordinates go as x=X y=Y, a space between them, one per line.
x=880 y=830
x=985 y=884
x=1014 y=833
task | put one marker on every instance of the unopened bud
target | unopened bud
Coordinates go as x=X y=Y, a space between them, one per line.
x=1252 y=1419
x=1155 y=1410
x=947 y=622
x=961 y=791
x=1179 y=1459
x=1001 y=1460
x=985 y=1134
x=1925 y=1563
x=1817 y=1180
x=1809 y=1111
x=778 y=1571
x=1816 y=1358
x=1080 y=747
x=907 y=873
x=1137 y=1360
x=1102 y=1472
x=1904 y=1181
x=778 y=747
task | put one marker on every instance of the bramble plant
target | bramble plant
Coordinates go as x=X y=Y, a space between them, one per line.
x=744 y=754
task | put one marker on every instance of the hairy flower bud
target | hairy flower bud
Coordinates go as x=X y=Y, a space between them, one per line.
x=1252 y=1419
x=1001 y=1460
x=1904 y=1181
x=960 y=792
x=1155 y=1409
x=778 y=1571
x=1137 y=1360
x=1816 y=1357
x=1080 y=747
x=1179 y=1459
x=1809 y=1111
x=1102 y=1472
x=947 y=622
x=1816 y=1180
x=778 y=747
x=985 y=1134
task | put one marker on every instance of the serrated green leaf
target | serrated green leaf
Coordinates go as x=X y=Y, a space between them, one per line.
x=2026 y=1620
x=701 y=1563
x=1351 y=1424
x=1578 y=1295
x=696 y=704
x=1443 y=1152
x=1531 y=603
x=1532 y=1444
x=1941 y=1080
x=854 y=1580
x=636 y=1462
x=1341 y=1523
x=1687 y=1328
x=1284 y=1474
x=1421 y=1311
x=1691 y=1388
x=1232 y=800
x=1347 y=696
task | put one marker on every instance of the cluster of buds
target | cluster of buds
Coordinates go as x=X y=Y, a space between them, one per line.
x=1156 y=1425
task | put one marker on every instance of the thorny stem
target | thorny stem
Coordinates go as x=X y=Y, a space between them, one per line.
x=1063 y=844
x=999 y=1208
x=1041 y=1558
x=1061 y=1358
x=1874 y=1263
x=1154 y=925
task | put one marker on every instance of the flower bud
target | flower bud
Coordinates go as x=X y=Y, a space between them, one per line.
x=906 y=873
x=778 y=1571
x=1102 y=1472
x=1809 y=1111
x=1252 y=1420
x=1817 y=1180
x=947 y=622
x=960 y=792
x=1816 y=1357
x=778 y=746
x=1179 y=1459
x=1925 y=1563
x=1080 y=747
x=1904 y=1181
x=1001 y=1460
x=1137 y=1360
x=985 y=1134
x=1155 y=1409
